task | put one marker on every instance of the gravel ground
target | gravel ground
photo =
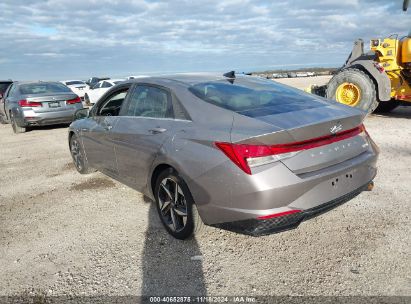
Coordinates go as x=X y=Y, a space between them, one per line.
x=62 y=233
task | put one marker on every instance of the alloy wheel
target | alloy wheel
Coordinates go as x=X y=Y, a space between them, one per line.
x=173 y=204
x=76 y=153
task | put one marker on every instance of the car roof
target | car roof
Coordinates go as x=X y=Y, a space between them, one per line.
x=72 y=80
x=34 y=82
x=112 y=80
x=187 y=79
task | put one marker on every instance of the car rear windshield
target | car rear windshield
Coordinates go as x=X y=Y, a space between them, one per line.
x=43 y=88
x=255 y=97
x=74 y=82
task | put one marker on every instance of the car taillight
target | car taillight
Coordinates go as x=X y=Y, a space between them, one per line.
x=73 y=101
x=246 y=156
x=31 y=104
x=284 y=213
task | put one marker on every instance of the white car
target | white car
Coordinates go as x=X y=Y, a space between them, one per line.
x=78 y=87
x=99 y=89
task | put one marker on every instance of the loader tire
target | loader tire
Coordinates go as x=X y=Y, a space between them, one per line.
x=354 y=88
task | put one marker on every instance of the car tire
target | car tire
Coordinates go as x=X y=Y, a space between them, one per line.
x=16 y=128
x=386 y=106
x=178 y=215
x=79 y=157
x=363 y=84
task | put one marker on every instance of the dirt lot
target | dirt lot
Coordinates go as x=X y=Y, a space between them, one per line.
x=64 y=233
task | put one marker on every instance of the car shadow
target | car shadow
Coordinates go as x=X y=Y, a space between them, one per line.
x=50 y=127
x=399 y=112
x=171 y=267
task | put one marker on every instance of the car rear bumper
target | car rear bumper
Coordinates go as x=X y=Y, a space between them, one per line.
x=277 y=189
x=32 y=118
x=259 y=227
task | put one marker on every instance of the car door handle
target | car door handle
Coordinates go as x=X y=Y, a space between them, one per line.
x=108 y=127
x=157 y=130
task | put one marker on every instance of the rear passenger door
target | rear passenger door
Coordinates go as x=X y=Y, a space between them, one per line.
x=145 y=122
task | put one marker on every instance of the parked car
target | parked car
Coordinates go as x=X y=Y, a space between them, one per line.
x=28 y=104
x=240 y=153
x=95 y=92
x=78 y=87
x=94 y=80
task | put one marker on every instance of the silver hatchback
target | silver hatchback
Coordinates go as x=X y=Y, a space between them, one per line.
x=28 y=104
x=235 y=152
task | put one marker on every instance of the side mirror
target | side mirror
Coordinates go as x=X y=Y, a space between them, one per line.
x=81 y=113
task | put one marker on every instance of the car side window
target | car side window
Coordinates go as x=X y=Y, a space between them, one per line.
x=106 y=85
x=112 y=105
x=149 y=101
x=11 y=91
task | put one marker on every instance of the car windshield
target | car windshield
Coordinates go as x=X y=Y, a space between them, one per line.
x=43 y=88
x=254 y=97
x=74 y=82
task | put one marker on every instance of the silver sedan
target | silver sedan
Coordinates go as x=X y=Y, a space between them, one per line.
x=235 y=152
x=29 y=104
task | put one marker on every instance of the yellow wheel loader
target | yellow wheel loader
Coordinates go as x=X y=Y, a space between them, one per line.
x=379 y=80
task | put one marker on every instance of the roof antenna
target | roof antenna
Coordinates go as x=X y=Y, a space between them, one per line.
x=230 y=74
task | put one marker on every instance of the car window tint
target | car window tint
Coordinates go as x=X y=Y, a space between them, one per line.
x=43 y=88
x=4 y=86
x=106 y=84
x=74 y=82
x=147 y=101
x=255 y=97
x=112 y=106
x=12 y=90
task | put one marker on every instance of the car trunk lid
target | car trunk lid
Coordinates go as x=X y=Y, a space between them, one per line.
x=52 y=102
x=318 y=137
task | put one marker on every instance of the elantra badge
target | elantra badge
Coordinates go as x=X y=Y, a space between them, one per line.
x=336 y=129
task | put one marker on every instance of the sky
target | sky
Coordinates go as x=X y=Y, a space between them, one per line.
x=77 y=39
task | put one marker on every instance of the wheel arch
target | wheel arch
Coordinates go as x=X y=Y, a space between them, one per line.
x=70 y=135
x=156 y=172
x=380 y=79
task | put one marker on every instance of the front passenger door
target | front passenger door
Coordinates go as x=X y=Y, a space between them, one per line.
x=98 y=137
